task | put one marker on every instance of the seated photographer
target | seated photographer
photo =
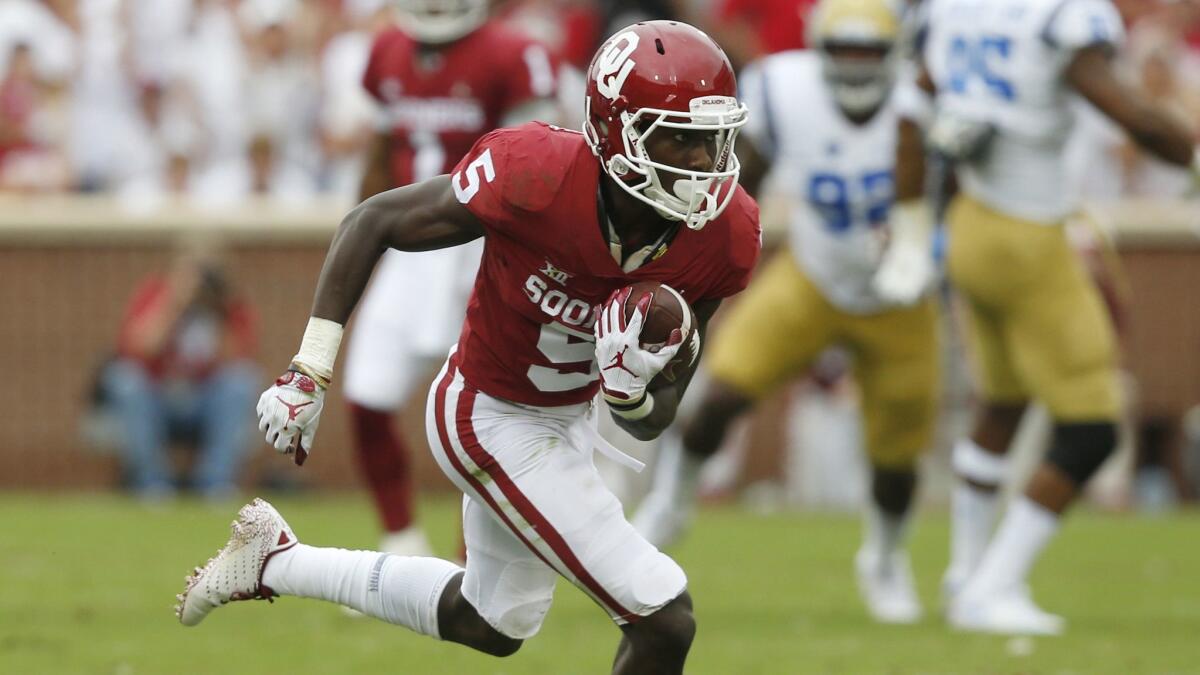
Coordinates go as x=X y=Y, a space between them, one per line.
x=184 y=371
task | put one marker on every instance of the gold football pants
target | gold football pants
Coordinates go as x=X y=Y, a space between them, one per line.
x=783 y=322
x=1036 y=325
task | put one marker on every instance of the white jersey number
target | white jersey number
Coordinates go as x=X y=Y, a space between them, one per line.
x=541 y=75
x=481 y=165
x=563 y=349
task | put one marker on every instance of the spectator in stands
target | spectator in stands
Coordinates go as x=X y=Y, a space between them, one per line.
x=280 y=99
x=36 y=59
x=28 y=158
x=184 y=372
x=348 y=116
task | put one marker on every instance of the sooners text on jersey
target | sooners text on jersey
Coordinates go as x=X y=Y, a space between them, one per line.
x=546 y=264
x=438 y=102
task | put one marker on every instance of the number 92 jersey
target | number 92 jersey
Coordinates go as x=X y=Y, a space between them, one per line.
x=1001 y=62
x=547 y=265
x=840 y=174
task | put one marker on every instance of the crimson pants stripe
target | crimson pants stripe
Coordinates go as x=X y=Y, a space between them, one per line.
x=485 y=461
x=448 y=448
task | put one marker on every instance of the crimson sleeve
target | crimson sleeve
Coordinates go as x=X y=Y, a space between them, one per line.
x=373 y=73
x=479 y=181
x=744 y=246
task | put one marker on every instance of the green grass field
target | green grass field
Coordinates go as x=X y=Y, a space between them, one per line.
x=88 y=583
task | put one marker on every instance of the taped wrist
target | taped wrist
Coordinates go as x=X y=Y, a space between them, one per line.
x=318 y=350
x=1080 y=448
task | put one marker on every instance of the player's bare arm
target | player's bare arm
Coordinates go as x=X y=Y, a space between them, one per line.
x=910 y=161
x=910 y=150
x=666 y=394
x=1091 y=74
x=420 y=217
x=377 y=175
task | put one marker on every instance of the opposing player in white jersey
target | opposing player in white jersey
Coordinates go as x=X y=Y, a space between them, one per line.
x=854 y=274
x=1002 y=73
x=443 y=77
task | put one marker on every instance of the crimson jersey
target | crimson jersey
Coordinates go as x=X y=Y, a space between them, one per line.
x=438 y=102
x=547 y=265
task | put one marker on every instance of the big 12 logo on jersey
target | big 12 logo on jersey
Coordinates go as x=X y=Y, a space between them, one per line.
x=566 y=340
x=554 y=302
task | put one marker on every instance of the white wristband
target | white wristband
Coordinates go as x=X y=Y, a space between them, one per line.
x=319 y=348
x=912 y=220
x=634 y=414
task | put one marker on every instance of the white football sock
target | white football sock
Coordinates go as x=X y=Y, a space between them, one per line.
x=884 y=533
x=972 y=515
x=400 y=590
x=973 y=511
x=1023 y=534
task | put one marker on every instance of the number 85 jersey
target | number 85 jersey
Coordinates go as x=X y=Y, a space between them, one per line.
x=1001 y=62
x=840 y=174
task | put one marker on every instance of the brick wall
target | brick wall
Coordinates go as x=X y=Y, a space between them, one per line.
x=67 y=269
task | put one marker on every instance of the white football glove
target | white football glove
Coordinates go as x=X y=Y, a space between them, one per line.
x=625 y=367
x=959 y=138
x=906 y=270
x=289 y=413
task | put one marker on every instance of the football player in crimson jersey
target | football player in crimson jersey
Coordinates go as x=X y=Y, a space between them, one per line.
x=443 y=77
x=647 y=192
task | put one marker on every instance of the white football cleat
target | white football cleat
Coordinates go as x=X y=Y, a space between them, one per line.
x=1010 y=612
x=887 y=587
x=235 y=573
x=953 y=581
x=661 y=520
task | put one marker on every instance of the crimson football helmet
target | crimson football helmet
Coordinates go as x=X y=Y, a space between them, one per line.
x=664 y=74
x=440 y=21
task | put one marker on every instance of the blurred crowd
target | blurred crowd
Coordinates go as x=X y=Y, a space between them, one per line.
x=217 y=101
x=220 y=99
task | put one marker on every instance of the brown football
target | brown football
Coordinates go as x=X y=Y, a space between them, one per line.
x=668 y=311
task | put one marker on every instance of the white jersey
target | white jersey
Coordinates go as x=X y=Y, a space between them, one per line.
x=1001 y=62
x=840 y=174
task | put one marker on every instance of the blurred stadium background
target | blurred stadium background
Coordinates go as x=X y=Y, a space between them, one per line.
x=129 y=126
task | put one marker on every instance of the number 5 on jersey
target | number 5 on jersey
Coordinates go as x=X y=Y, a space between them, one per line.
x=481 y=165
